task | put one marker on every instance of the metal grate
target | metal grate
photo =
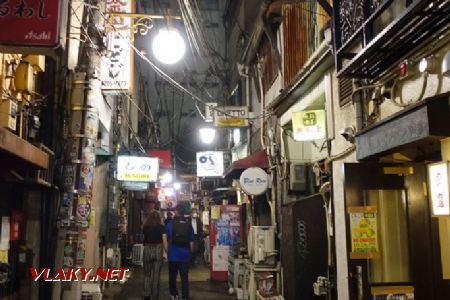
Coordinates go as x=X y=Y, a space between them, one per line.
x=137 y=254
x=345 y=90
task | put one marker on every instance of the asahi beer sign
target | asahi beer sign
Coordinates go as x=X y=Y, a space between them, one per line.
x=231 y=116
x=116 y=70
x=30 y=23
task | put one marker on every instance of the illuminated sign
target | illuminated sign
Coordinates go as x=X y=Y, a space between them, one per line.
x=231 y=116
x=210 y=164
x=309 y=125
x=137 y=168
x=439 y=188
x=116 y=69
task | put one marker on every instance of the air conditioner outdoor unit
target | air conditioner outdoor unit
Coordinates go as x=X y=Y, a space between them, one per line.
x=137 y=254
x=298 y=177
x=261 y=245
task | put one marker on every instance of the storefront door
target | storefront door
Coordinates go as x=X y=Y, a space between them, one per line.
x=392 y=240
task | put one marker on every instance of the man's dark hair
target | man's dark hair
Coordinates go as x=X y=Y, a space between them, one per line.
x=179 y=209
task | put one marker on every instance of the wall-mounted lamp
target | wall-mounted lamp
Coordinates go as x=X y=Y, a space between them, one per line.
x=446 y=64
x=349 y=134
x=428 y=65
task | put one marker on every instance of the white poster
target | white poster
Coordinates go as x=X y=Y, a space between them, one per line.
x=210 y=164
x=116 y=69
x=4 y=234
x=209 y=112
x=220 y=258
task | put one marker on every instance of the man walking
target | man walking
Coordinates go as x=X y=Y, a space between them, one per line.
x=180 y=235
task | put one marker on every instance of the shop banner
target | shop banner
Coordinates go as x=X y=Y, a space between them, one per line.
x=231 y=116
x=309 y=125
x=364 y=232
x=30 y=23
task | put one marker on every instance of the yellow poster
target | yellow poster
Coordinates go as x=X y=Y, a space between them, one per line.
x=4 y=256
x=215 y=212
x=364 y=232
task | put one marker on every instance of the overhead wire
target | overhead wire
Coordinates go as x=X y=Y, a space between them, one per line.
x=173 y=82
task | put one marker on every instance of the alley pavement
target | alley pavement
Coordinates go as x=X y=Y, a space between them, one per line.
x=201 y=287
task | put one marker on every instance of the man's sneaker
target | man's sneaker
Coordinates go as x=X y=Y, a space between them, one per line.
x=173 y=297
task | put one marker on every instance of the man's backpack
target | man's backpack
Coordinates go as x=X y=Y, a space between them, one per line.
x=181 y=231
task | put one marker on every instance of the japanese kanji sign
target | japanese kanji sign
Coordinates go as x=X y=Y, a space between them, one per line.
x=29 y=22
x=116 y=71
x=309 y=125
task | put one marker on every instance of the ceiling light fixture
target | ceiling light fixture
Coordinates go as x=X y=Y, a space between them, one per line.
x=207 y=135
x=169 y=46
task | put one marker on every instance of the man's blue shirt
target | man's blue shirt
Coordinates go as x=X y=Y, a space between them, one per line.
x=177 y=253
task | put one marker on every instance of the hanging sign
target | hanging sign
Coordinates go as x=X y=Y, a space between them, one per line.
x=309 y=125
x=30 y=23
x=439 y=188
x=164 y=156
x=210 y=164
x=231 y=116
x=209 y=112
x=254 y=181
x=116 y=70
x=137 y=168
x=364 y=233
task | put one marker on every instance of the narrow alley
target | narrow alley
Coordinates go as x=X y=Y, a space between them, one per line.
x=294 y=149
x=201 y=286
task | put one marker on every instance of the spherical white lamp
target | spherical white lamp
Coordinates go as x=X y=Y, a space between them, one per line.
x=207 y=135
x=168 y=46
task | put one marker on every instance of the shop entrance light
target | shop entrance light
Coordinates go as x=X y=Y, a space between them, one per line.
x=168 y=46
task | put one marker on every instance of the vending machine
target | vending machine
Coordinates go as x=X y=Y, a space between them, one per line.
x=225 y=232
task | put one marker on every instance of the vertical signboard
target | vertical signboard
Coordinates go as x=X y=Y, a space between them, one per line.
x=116 y=70
x=209 y=111
x=29 y=23
x=439 y=188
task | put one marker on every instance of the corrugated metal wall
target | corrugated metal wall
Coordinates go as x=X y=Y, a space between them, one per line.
x=302 y=23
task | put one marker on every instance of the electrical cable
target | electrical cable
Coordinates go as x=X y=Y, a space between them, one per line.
x=170 y=79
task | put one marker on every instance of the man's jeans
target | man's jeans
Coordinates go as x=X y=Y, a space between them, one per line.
x=183 y=268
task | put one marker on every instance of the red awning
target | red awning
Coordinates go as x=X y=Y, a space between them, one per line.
x=257 y=159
